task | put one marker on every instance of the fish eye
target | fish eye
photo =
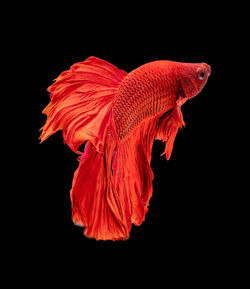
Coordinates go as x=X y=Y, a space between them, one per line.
x=201 y=75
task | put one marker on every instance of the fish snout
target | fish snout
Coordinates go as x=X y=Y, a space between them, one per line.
x=207 y=68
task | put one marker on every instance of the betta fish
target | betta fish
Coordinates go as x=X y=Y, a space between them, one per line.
x=118 y=115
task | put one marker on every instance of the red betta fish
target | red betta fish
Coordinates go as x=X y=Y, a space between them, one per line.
x=118 y=115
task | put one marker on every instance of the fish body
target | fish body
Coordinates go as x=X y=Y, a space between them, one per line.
x=150 y=89
x=144 y=93
x=118 y=115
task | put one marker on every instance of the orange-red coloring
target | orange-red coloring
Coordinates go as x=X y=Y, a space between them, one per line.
x=118 y=115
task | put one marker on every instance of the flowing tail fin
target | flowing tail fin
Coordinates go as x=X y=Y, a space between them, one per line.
x=81 y=106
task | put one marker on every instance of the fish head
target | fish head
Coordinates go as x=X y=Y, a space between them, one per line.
x=193 y=77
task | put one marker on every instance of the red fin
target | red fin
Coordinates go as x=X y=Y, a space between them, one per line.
x=167 y=127
x=132 y=172
x=111 y=190
x=133 y=175
x=119 y=194
x=81 y=100
x=94 y=202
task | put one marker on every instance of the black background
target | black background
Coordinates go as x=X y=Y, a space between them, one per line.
x=189 y=213
x=186 y=204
